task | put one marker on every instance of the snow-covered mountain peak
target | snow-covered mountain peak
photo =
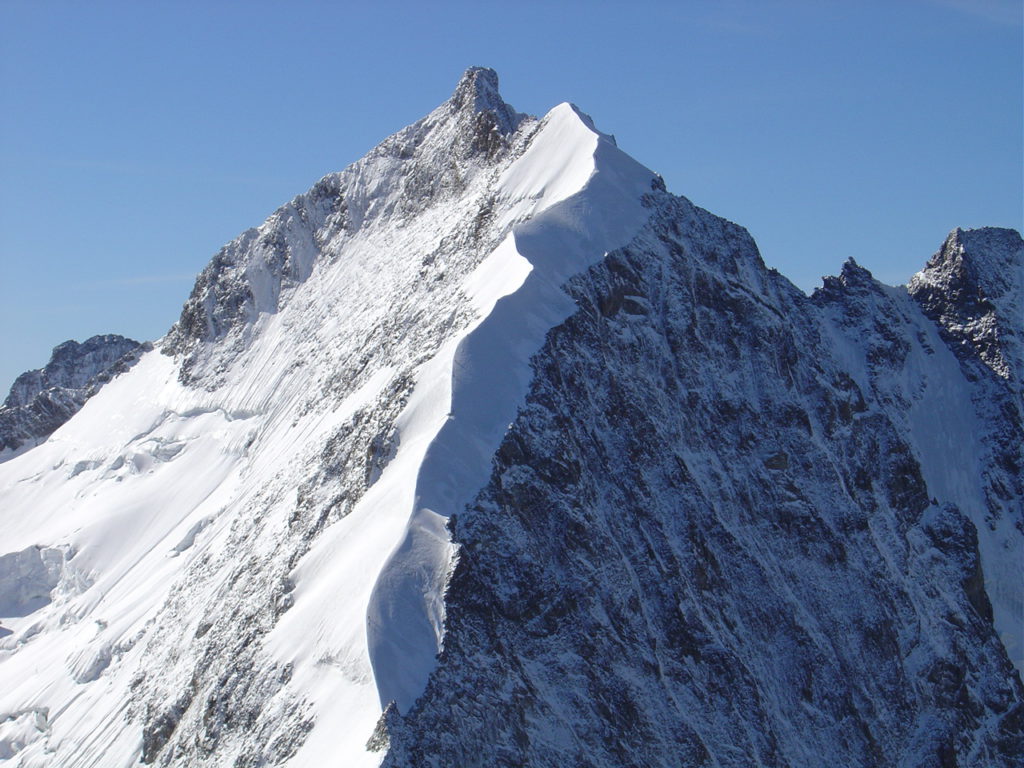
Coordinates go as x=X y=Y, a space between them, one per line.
x=386 y=317
x=488 y=423
x=465 y=153
x=450 y=154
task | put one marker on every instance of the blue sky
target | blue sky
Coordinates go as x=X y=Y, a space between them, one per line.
x=137 y=138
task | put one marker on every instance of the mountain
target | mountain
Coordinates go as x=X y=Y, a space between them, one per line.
x=488 y=450
x=42 y=400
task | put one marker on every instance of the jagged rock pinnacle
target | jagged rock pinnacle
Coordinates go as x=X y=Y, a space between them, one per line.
x=477 y=91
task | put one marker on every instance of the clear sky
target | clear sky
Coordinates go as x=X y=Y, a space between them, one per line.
x=138 y=137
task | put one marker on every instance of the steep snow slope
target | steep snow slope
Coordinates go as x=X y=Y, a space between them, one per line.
x=491 y=432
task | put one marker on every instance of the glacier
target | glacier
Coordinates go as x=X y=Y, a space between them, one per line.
x=488 y=450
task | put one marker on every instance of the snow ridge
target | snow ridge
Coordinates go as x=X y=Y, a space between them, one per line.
x=518 y=292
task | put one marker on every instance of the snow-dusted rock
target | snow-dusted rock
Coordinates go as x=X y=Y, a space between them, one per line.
x=972 y=288
x=730 y=527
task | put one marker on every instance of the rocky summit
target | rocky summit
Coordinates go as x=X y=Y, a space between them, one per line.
x=490 y=451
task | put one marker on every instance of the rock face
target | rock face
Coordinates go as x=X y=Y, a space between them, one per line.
x=972 y=289
x=42 y=400
x=708 y=538
x=488 y=450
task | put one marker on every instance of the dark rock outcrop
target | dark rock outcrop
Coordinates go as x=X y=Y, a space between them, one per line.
x=40 y=401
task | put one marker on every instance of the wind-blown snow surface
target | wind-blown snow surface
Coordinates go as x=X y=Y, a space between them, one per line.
x=491 y=426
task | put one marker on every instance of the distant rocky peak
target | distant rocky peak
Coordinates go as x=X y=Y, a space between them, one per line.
x=477 y=91
x=42 y=400
x=71 y=366
x=972 y=289
x=985 y=262
x=853 y=279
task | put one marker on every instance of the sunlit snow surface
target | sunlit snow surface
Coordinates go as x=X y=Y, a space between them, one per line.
x=148 y=484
